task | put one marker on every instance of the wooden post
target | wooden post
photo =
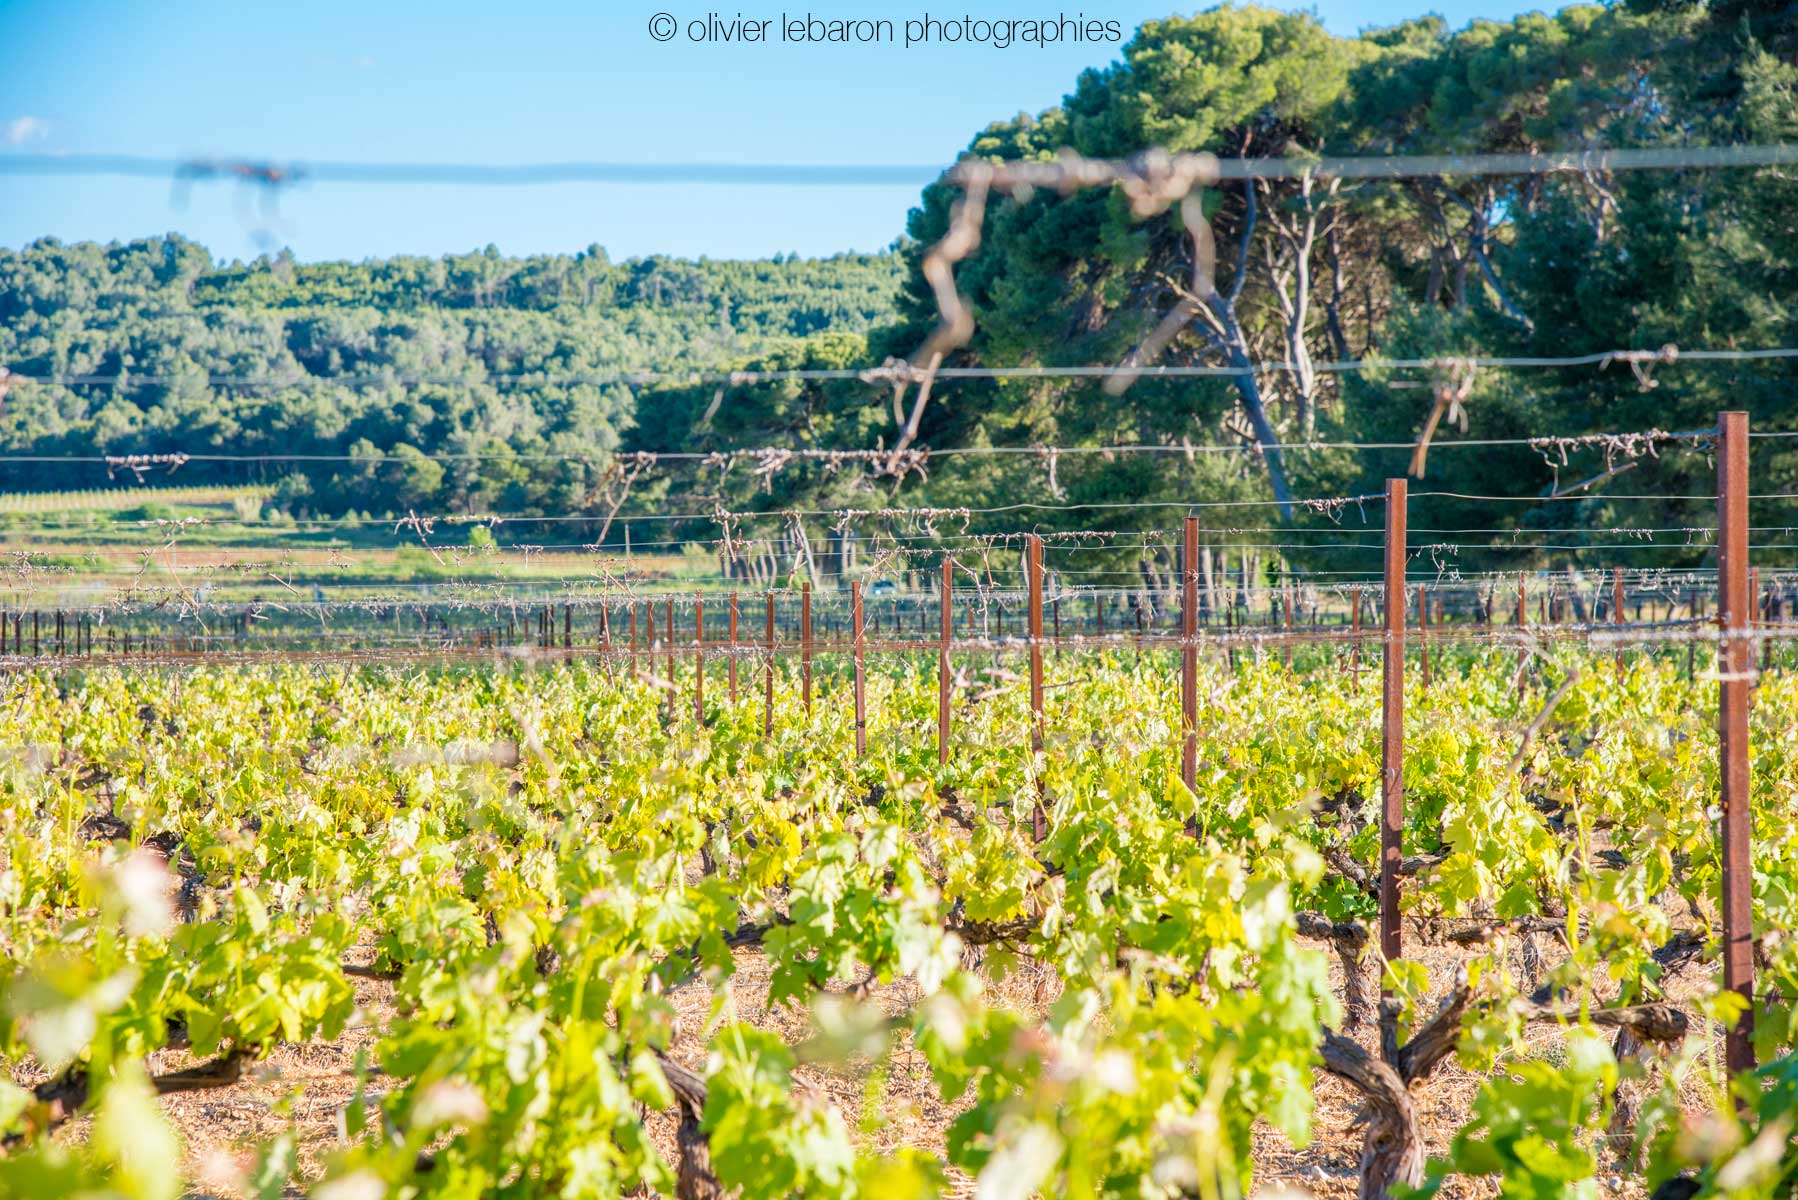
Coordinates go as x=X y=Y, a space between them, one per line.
x=861 y=695
x=1617 y=609
x=1423 y=634
x=605 y=640
x=1758 y=608
x=1230 y=634
x=1355 y=634
x=567 y=626
x=668 y=638
x=1286 y=600
x=1189 y=656
x=1442 y=624
x=699 y=658
x=943 y=682
x=1692 y=644
x=1736 y=675
x=731 y=672
x=1033 y=562
x=768 y=675
x=1523 y=654
x=805 y=644
x=1392 y=719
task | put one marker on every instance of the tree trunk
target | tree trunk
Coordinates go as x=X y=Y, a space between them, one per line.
x=1248 y=391
x=1219 y=326
x=1339 y=343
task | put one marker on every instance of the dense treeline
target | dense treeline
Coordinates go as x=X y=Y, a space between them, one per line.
x=1309 y=273
x=1313 y=273
x=189 y=348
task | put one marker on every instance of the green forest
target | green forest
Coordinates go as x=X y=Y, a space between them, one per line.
x=280 y=357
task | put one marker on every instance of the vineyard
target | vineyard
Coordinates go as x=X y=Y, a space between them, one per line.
x=1250 y=654
x=117 y=499
x=1145 y=895
x=620 y=949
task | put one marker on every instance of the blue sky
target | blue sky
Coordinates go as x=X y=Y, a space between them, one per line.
x=525 y=81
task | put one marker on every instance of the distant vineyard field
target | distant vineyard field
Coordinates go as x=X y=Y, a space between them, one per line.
x=120 y=499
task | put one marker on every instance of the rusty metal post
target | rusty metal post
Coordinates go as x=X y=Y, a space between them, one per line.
x=768 y=675
x=1189 y=656
x=1033 y=563
x=861 y=695
x=633 y=612
x=1392 y=721
x=699 y=658
x=805 y=643
x=943 y=681
x=731 y=669
x=1736 y=676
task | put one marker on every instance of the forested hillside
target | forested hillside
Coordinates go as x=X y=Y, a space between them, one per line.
x=1309 y=273
x=276 y=357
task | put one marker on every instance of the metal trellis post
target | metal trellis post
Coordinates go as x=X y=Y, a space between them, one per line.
x=1736 y=676
x=1392 y=719
x=943 y=682
x=1189 y=655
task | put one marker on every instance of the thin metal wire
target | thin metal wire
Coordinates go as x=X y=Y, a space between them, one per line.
x=875 y=374
x=272 y=174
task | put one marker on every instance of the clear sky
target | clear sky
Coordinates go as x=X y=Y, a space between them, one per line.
x=513 y=82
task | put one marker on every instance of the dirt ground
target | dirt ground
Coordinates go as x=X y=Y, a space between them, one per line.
x=221 y=1127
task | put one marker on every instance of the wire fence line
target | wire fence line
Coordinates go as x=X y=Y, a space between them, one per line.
x=1152 y=180
x=885 y=373
x=68 y=644
x=1053 y=174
